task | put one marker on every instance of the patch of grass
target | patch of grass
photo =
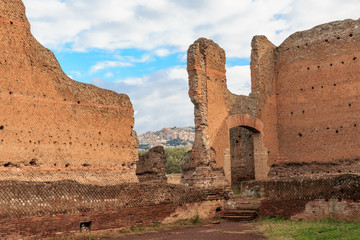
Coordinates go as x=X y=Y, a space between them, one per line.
x=327 y=229
x=136 y=229
x=196 y=219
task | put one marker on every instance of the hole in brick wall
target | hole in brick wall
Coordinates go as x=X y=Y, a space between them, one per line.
x=250 y=155
x=301 y=89
x=322 y=86
x=11 y=22
x=298 y=46
x=86 y=165
x=78 y=102
x=337 y=131
x=319 y=66
x=312 y=88
x=334 y=84
x=99 y=133
x=355 y=125
x=354 y=58
x=33 y=162
x=292 y=113
x=342 y=62
x=303 y=111
x=349 y=104
x=308 y=68
x=85 y=226
x=338 y=38
x=326 y=40
x=350 y=35
x=67 y=165
x=300 y=135
x=331 y=64
x=218 y=209
x=1 y=127
x=327 y=128
x=237 y=141
x=54 y=164
x=10 y=93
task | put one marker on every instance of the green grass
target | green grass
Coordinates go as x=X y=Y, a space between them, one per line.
x=279 y=229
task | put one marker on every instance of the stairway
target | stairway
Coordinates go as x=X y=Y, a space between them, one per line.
x=239 y=209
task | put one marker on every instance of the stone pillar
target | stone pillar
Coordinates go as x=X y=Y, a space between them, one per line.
x=203 y=166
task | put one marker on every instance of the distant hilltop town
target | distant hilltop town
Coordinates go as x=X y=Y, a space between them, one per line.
x=168 y=137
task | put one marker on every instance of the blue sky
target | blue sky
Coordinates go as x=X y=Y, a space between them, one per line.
x=138 y=47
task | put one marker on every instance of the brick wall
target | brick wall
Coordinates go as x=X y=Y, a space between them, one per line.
x=40 y=209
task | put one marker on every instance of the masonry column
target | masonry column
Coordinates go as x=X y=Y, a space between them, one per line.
x=203 y=167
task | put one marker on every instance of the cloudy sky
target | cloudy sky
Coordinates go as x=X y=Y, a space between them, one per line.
x=138 y=47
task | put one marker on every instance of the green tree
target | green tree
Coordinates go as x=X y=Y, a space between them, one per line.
x=173 y=157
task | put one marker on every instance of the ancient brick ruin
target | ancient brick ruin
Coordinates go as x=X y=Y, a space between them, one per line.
x=54 y=128
x=300 y=120
x=68 y=150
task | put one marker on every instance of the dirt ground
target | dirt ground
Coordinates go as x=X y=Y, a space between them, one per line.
x=223 y=231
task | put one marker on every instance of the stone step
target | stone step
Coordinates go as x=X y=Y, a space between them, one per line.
x=232 y=212
x=241 y=209
x=239 y=218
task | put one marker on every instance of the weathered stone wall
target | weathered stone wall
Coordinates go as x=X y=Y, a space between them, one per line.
x=152 y=165
x=302 y=110
x=318 y=91
x=52 y=124
x=319 y=198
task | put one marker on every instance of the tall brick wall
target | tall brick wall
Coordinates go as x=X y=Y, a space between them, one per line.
x=50 y=123
x=318 y=91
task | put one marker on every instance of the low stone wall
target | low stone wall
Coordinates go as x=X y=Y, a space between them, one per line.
x=42 y=209
x=318 y=198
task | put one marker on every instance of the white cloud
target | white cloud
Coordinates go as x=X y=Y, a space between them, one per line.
x=134 y=81
x=113 y=24
x=238 y=80
x=163 y=52
x=108 y=64
x=109 y=75
x=159 y=99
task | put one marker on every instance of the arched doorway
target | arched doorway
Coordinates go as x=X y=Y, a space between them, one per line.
x=246 y=157
x=242 y=154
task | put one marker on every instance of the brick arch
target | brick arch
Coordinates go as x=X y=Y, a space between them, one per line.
x=245 y=120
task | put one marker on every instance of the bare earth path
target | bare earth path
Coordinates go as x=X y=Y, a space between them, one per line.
x=222 y=231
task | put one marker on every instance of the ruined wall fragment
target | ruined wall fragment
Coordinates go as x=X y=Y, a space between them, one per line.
x=151 y=165
x=51 y=125
x=214 y=107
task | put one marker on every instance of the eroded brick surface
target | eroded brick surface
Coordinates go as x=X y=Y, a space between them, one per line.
x=302 y=112
x=52 y=125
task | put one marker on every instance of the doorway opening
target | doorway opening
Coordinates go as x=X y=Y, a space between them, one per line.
x=242 y=155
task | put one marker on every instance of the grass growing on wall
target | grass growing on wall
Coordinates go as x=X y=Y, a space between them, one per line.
x=279 y=229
